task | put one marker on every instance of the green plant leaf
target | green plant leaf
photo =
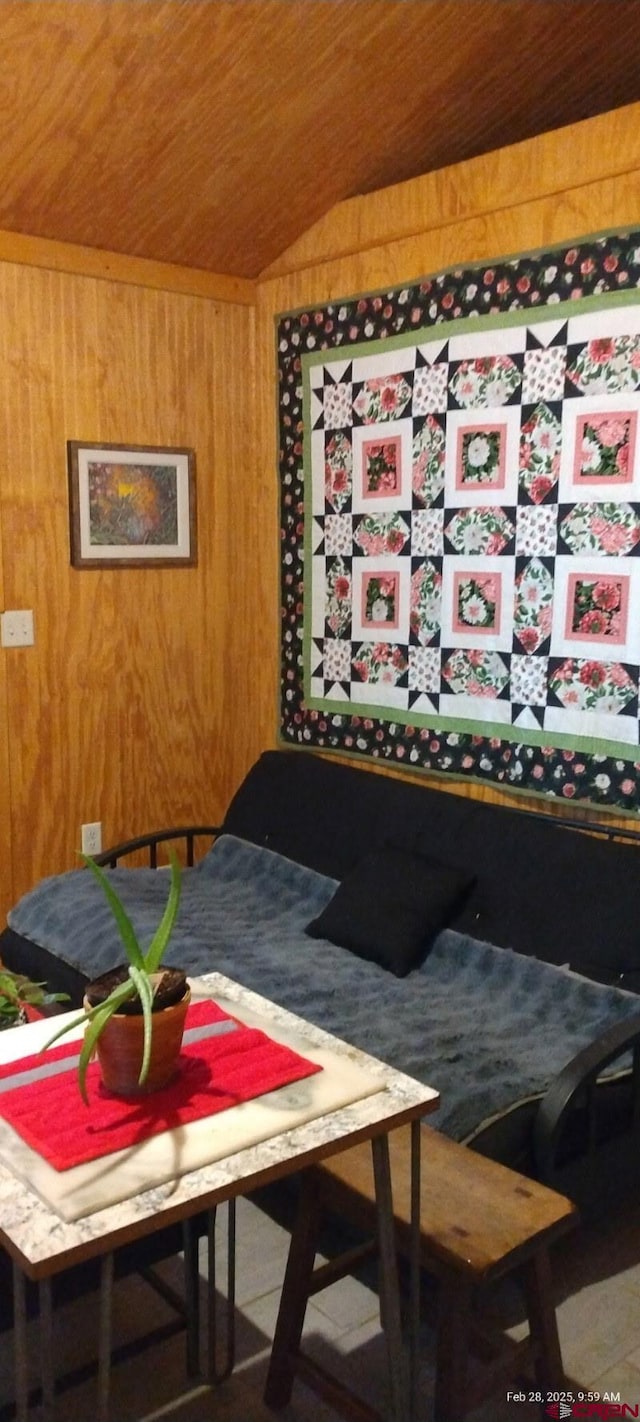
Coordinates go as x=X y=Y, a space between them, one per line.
x=9 y=987
x=158 y=945
x=141 y=967
x=119 y=994
x=16 y=991
x=62 y=1031
x=95 y=1026
x=44 y=999
x=144 y=990
x=97 y=1018
x=127 y=931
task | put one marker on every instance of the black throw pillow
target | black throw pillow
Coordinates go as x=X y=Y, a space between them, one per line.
x=391 y=906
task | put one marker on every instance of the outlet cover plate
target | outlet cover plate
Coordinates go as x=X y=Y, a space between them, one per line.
x=16 y=629
x=91 y=837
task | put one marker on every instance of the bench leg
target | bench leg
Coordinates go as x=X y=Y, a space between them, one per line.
x=452 y=1348
x=543 y=1326
x=295 y=1293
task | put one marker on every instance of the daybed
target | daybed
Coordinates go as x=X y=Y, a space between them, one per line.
x=513 y=993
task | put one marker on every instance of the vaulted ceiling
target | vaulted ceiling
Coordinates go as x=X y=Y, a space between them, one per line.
x=212 y=133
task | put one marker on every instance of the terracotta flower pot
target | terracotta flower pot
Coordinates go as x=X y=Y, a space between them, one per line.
x=120 y=1046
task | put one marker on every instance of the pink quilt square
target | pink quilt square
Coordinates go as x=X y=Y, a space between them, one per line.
x=605 y=447
x=381 y=600
x=477 y=602
x=381 y=467
x=481 y=453
x=597 y=607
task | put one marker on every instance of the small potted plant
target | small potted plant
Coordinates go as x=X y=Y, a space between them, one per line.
x=134 y=1014
x=20 y=998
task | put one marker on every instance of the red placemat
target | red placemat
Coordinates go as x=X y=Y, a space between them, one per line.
x=235 y=1064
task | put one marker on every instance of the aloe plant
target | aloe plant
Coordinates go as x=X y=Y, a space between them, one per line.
x=141 y=968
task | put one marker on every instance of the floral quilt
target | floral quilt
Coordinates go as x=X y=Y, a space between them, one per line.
x=460 y=466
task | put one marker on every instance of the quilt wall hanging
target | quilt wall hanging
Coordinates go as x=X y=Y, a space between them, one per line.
x=460 y=474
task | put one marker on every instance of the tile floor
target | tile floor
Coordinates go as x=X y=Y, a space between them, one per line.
x=597 y=1274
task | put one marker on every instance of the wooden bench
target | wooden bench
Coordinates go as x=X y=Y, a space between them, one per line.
x=479 y=1221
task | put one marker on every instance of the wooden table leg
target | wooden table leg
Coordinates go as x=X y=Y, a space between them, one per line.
x=389 y=1283
x=414 y=1272
x=21 y=1358
x=295 y=1292
x=219 y=1371
x=46 y=1350
x=190 y=1244
x=104 y=1336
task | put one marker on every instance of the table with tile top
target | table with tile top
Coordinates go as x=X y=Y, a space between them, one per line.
x=60 y=1219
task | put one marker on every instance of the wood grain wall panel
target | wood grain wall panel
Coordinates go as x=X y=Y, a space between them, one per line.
x=583 y=207
x=507 y=231
x=150 y=692
x=124 y=710
x=115 y=266
x=546 y=166
x=6 y=872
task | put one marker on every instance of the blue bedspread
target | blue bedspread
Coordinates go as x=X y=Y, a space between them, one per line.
x=485 y=1026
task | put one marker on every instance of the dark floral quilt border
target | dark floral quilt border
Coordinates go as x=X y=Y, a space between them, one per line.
x=588 y=267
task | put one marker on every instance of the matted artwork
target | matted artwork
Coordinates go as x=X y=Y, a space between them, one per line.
x=460 y=472
x=131 y=505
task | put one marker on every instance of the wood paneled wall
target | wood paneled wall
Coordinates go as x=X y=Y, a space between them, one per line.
x=6 y=871
x=142 y=702
x=576 y=181
x=148 y=693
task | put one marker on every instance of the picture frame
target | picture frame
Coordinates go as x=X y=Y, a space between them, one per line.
x=131 y=505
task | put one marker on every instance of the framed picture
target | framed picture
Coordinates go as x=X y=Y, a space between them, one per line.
x=131 y=505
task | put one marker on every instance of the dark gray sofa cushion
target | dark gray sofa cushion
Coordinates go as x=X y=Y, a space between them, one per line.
x=389 y=908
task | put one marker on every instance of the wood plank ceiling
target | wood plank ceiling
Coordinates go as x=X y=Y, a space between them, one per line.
x=212 y=133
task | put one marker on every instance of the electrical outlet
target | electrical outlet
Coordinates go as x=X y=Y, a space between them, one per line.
x=91 y=837
x=16 y=629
